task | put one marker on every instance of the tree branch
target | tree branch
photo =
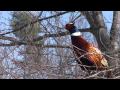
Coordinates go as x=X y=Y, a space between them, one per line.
x=89 y=17
x=98 y=19
x=102 y=72
x=14 y=40
x=60 y=34
x=95 y=19
x=8 y=38
x=38 y=45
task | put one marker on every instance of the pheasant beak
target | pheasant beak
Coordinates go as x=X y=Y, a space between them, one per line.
x=104 y=62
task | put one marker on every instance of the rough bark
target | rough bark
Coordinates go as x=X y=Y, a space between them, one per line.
x=115 y=31
x=115 y=37
x=99 y=29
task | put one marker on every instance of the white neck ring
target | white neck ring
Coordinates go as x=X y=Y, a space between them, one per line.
x=76 y=34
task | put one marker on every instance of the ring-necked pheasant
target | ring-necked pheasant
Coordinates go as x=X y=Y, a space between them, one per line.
x=89 y=57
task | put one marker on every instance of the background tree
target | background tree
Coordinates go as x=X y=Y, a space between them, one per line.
x=23 y=20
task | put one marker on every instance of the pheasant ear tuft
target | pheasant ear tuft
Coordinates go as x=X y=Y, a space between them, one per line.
x=71 y=23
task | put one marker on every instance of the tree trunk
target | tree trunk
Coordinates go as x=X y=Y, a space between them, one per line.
x=115 y=37
x=109 y=44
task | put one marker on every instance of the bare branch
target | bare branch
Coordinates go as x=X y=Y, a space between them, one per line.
x=60 y=34
x=39 y=45
x=40 y=37
x=8 y=38
x=102 y=72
